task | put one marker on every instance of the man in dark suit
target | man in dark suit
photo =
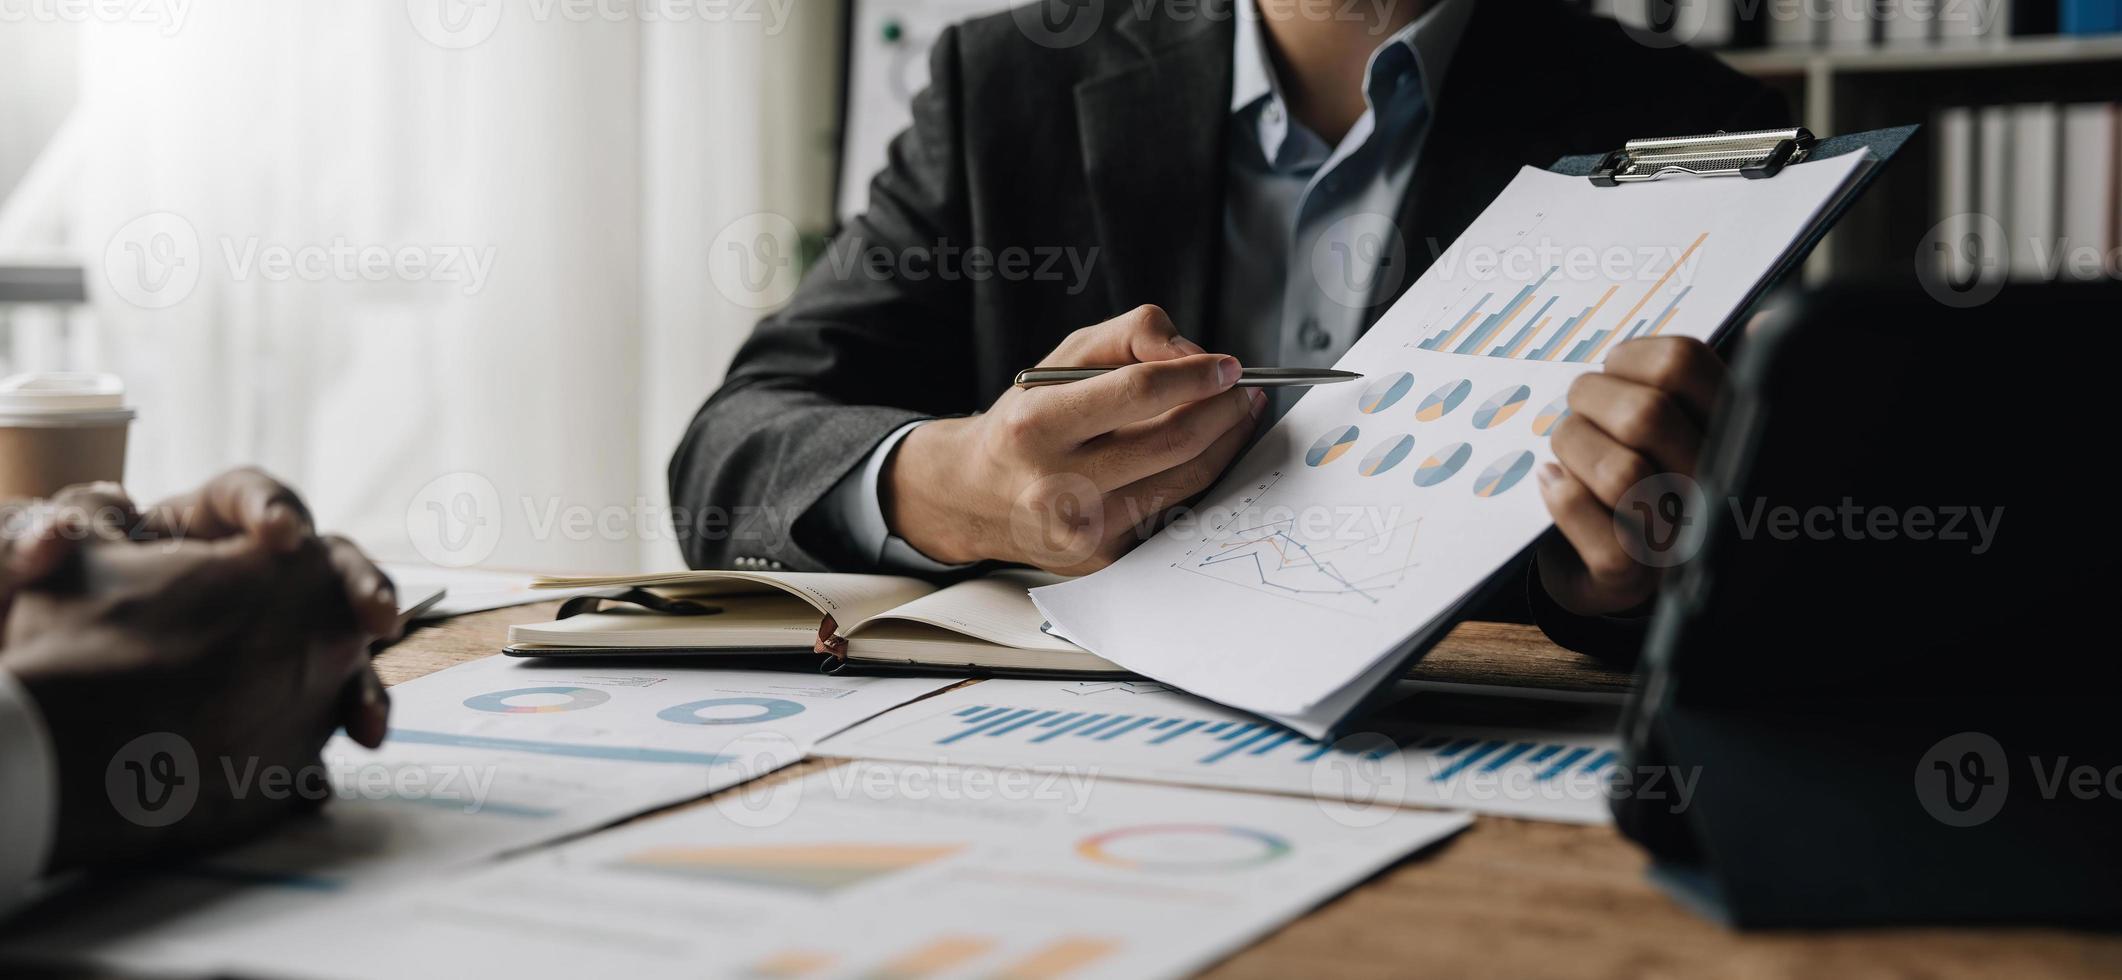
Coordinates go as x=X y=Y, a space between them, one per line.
x=1195 y=162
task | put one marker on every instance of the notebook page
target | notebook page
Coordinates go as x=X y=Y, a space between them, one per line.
x=846 y=598
x=996 y=608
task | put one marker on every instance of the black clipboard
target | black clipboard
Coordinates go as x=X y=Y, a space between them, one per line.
x=1882 y=144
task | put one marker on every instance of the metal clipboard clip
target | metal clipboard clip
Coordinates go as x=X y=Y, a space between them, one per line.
x=1755 y=155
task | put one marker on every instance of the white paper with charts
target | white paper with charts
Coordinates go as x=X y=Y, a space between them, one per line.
x=872 y=870
x=1372 y=508
x=1146 y=730
x=484 y=758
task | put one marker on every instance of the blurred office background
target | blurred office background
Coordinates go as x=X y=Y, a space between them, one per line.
x=275 y=218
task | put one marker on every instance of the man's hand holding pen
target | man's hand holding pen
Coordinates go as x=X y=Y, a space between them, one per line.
x=1064 y=478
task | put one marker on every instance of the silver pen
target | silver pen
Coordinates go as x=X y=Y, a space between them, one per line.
x=1260 y=377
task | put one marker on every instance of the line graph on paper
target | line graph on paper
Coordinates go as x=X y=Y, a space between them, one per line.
x=1350 y=561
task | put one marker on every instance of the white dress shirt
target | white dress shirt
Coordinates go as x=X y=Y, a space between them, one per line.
x=29 y=790
x=1293 y=208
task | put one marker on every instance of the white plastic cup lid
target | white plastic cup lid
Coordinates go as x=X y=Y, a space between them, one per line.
x=63 y=397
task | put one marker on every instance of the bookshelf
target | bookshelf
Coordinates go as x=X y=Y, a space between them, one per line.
x=1849 y=90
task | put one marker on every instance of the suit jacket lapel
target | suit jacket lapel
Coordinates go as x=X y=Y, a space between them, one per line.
x=1152 y=135
x=1492 y=117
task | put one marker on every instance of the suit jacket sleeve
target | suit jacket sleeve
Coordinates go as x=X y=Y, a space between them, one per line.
x=877 y=335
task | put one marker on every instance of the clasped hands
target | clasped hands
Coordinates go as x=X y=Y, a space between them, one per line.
x=220 y=618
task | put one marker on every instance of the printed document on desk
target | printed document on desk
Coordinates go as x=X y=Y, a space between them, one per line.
x=872 y=870
x=484 y=759
x=468 y=590
x=1145 y=730
x=1371 y=511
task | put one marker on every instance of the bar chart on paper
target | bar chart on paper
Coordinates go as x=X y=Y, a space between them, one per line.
x=1169 y=736
x=1554 y=319
x=1054 y=959
x=811 y=869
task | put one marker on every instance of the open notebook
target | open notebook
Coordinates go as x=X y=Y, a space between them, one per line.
x=982 y=625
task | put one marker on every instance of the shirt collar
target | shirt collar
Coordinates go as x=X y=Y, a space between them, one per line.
x=1251 y=75
x=1433 y=37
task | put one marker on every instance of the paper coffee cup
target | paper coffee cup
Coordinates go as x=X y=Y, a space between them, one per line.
x=58 y=429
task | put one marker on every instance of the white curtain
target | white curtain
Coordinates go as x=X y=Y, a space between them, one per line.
x=452 y=273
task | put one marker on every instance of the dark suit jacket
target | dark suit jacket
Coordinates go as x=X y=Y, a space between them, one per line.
x=1113 y=148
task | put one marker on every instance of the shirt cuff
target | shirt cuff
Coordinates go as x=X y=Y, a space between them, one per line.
x=1617 y=640
x=29 y=787
x=853 y=511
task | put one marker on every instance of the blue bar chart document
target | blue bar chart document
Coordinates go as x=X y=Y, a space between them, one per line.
x=1144 y=730
x=1352 y=528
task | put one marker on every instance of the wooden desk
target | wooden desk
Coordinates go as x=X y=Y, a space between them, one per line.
x=1512 y=898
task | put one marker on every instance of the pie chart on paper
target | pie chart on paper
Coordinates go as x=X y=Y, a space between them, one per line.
x=1385 y=392
x=1443 y=464
x=1385 y=455
x=1440 y=402
x=1501 y=406
x=1331 y=445
x=1503 y=474
x=1555 y=411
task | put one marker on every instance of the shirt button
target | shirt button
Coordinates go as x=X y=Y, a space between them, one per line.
x=1313 y=336
x=1274 y=112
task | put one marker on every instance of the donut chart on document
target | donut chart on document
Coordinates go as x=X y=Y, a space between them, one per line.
x=503 y=702
x=1184 y=848
x=766 y=709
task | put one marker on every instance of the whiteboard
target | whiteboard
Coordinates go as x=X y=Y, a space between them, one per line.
x=887 y=62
